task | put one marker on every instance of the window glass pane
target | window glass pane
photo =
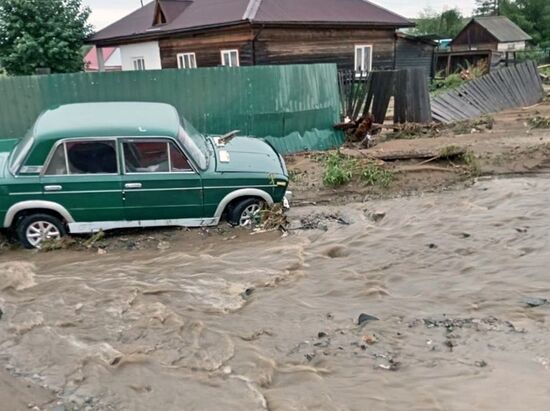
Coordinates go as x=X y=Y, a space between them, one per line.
x=146 y=157
x=225 y=59
x=57 y=165
x=359 y=59
x=178 y=160
x=234 y=59
x=193 y=61
x=368 y=57
x=92 y=157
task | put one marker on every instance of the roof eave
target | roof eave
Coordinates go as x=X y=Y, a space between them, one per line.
x=377 y=24
x=157 y=34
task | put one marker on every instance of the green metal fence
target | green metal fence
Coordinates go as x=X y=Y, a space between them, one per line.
x=294 y=107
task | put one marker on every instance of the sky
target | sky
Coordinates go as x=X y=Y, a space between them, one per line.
x=105 y=12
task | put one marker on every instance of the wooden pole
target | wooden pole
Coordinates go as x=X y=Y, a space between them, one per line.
x=100 y=59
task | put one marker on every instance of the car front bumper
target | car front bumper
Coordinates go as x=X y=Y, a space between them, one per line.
x=287 y=199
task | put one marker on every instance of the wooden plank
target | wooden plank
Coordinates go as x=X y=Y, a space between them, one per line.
x=382 y=95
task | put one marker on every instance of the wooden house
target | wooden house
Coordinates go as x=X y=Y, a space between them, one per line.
x=489 y=42
x=355 y=34
x=495 y=33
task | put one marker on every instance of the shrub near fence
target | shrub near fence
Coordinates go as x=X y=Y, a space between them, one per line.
x=294 y=107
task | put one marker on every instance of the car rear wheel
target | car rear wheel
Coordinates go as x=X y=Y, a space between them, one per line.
x=246 y=213
x=34 y=229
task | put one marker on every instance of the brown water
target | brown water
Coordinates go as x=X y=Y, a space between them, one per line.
x=234 y=325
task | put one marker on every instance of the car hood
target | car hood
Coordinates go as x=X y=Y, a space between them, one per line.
x=246 y=154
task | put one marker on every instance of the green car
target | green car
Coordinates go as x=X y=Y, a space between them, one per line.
x=101 y=166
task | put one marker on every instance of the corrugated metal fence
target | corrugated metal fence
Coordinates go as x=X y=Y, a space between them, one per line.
x=294 y=107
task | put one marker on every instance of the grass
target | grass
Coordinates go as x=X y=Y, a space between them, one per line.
x=449 y=152
x=479 y=124
x=374 y=175
x=341 y=169
x=472 y=163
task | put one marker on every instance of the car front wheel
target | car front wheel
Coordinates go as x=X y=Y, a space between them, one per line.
x=246 y=213
x=34 y=229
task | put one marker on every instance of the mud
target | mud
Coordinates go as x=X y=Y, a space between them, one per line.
x=235 y=321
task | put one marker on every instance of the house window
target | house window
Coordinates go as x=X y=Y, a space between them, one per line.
x=139 y=63
x=230 y=58
x=363 y=58
x=187 y=60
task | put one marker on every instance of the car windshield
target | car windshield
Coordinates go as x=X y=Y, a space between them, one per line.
x=195 y=144
x=20 y=152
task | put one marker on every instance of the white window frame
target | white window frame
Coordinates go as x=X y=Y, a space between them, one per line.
x=138 y=63
x=228 y=52
x=363 y=68
x=191 y=57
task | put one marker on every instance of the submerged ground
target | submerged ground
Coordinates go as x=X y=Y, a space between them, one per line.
x=452 y=286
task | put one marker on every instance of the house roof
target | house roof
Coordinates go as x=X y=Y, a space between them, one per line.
x=189 y=15
x=91 y=57
x=502 y=28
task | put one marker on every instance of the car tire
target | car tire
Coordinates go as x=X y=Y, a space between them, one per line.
x=245 y=213
x=31 y=230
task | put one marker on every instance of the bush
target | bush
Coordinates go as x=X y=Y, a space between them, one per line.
x=341 y=169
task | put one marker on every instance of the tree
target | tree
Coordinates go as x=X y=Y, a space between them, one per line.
x=446 y=24
x=533 y=16
x=487 y=7
x=42 y=34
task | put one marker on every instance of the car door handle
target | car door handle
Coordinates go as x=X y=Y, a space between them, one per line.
x=132 y=186
x=53 y=188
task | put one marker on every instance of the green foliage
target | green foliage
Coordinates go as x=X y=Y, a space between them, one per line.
x=472 y=162
x=341 y=169
x=455 y=80
x=374 y=175
x=539 y=122
x=487 y=7
x=533 y=16
x=42 y=34
x=450 y=82
x=446 y=24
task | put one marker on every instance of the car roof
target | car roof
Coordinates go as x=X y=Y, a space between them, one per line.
x=108 y=119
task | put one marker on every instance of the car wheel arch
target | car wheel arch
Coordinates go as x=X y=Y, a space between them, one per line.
x=241 y=195
x=36 y=206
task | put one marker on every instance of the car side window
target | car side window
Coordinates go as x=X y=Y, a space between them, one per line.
x=178 y=161
x=84 y=157
x=58 y=162
x=153 y=157
x=92 y=157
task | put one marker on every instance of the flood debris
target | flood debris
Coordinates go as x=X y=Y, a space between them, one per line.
x=274 y=219
x=481 y=364
x=320 y=221
x=366 y=318
x=535 y=301
x=539 y=122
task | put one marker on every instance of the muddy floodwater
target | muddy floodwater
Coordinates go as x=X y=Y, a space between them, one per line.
x=453 y=285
